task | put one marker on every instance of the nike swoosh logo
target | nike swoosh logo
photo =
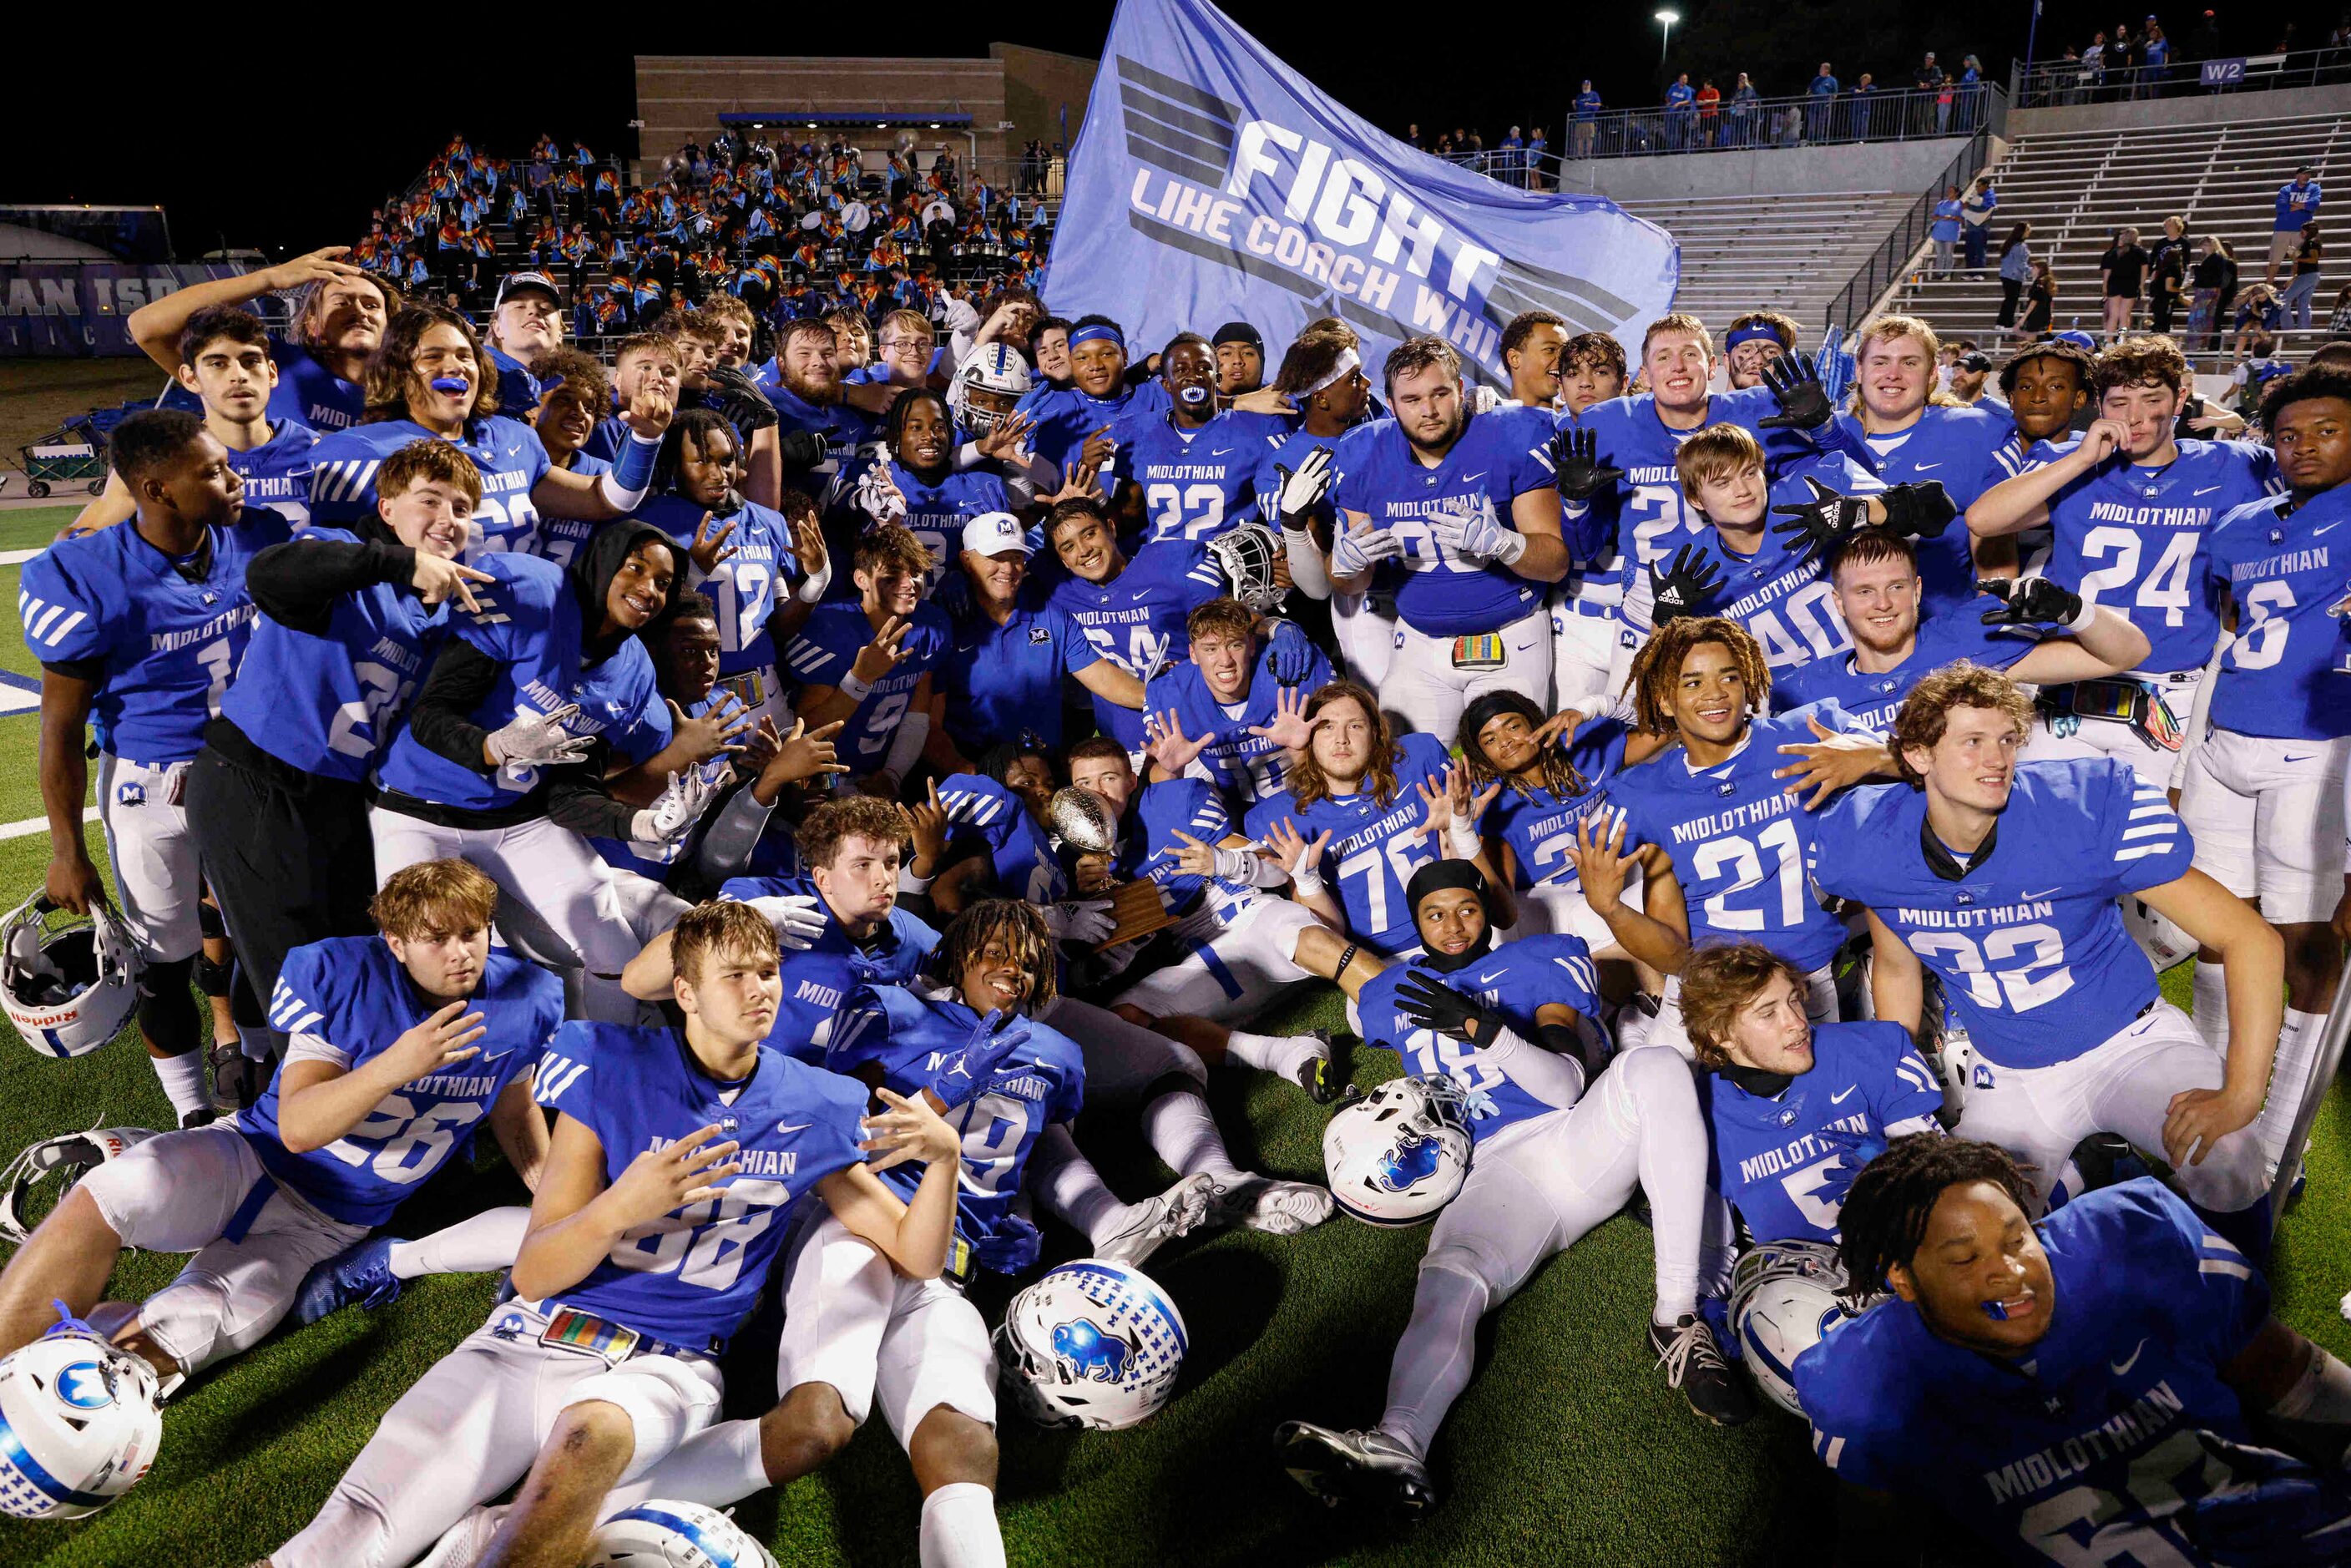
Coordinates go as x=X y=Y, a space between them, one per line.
x=2129 y=1361
x=1922 y=467
x=782 y=1127
x=2297 y=759
x=2206 y=490
x=2330 y=527
x=2044 y=893
x=1473 y=478
x=1489 y=980
x=1839 y=1099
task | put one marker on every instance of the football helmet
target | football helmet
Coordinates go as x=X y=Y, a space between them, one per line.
x=1785 y=1298
x=657 y=1534
x=991 y=379
x=1093 y=1343
x=2163 y=941
x=1247 y=553
x=79 y=1424
x=68 y=1158
x=1401 y=1152
x=68 y=990
x=1081 y=820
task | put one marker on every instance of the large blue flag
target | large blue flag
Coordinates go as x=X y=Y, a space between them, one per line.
x=1212 y=182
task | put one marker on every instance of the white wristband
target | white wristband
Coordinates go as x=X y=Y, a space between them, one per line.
x=856 y=687
x=812 y=586
x=1464 y=840
x=2081 y=623
x=909 y=882
x=1307 y=878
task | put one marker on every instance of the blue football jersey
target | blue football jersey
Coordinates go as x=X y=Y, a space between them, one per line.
x=1066 y=416
x=1957 y=448
x=329 y=704
x=1871 y=701
x=2016 y=456
x=936 y=514
x=1778 y=593
x=344 y=465
x=1249 y=768
x=1769 y=1162
x=819 y=977
x=1006 y=681
x=1288 y=448
x=1540 y=825
x=1500 y=456
x=2137 y=540
x=1737 y=840
x=349 y=993
x=277 y=473
x=1375 y=847
x=1018 y=849
x=1515 y=979
x=2283 y=673
x=2085 y=1451
x=309 y=393
x=1197 y=484
x=164 y=648
x=657 y=860
x=561 y=539
x=1137 y=619
x=825 y=648
x=1042 y=1081
x=2030 y=943
x=746 y=585
x=693 y=1275
x=530 y=623
x=845 y=429
x=1148 y=848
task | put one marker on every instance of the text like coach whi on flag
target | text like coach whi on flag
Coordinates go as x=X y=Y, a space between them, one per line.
x=1259 y=198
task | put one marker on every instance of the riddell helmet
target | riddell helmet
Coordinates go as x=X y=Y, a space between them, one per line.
x=1247 y=553
x=67 y=991
x=69 y=1159
x=991 y=379
x=79 y=1424
x=1785 y=1298
x=1093 y=1343
x=657 y=1534
x=1401 y=1152
x=2161 y=939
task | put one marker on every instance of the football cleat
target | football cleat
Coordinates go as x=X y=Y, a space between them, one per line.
x=359 y=1273
x=1694 y=1365
x=1320 y=1075
x=202 y=1116
x=1357 y=1468
x=1156 y=1221
x=1264 y=1203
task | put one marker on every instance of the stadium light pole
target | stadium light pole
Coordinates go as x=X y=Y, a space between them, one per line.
x=1664 y=37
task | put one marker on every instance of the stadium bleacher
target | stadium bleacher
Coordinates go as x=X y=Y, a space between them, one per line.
x=1790 y=252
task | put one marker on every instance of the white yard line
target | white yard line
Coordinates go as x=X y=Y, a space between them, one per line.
x=31 y=825
x=17 y=557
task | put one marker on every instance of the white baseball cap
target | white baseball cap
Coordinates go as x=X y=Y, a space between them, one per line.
x=992 y=533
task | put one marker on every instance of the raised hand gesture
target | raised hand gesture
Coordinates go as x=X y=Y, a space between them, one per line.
x=437 y=577
x=662 y=1181
x=707 y=550
x=1684 y=585
x=1596 y=850
x=1576 y=464
x=1796 y=387
x=445 y=1036
x=1166 y=743
x=1288 y=728
x=885 y=653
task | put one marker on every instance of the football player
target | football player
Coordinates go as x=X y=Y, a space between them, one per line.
x=339 y=317
x=1583 y=615
x=1185 y=471
x=350 y=620
x=1132 y=611
x=224 y=359
x=1239 y=349
x=1531 y=349
x=647 y=360
x=2004 y=877
x=868 y=662
x=919 y=486
x=804 y=383
x=1753 y=342
x=2262 y=791
x=679 y=1159
x=1072 y=424
x=2132 y=509
x=2027 y=627
x=1323 y=374
x=2077 y=1391
x=1357 y=811
x=139 y=629
x=1212 y=711
x=1913 y=438
x=526 y=331
x=430 y=378
x=403 y=1044
x=2046 y=386
x=1509 y=1025
x=1429 y=490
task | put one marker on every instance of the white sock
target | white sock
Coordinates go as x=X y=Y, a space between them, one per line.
x=1067 y=1185
x=1181 y=1132
x=2297 y=1054
x=960 y=1527
x=482 y=1245
x=1434 y=1357
x=2209 y=1010
x=718 y=1466
x=1281 y=1053
x=183 y=1077
x=463 y=1543
x=1666 y=1099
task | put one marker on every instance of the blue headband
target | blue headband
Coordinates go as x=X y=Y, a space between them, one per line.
x=1099 y=332
x=1755 y=332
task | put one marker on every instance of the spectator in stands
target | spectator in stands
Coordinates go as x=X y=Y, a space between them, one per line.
x=1946 y=231
x=1587 y=121
x=1971 y=94
x=2214 y=279
x=1931 y=106
x=2040 y=302
x=2258 y=313
x=2155 y=51
x=1968 y=374
x=1823 y=92
x=1411 y=131
x=1681 y=111
x=2015 y=272
x=1745 y=101
x=2123 y=271
x=2304 y=285
x=2340 y=322
x=2258 y=360
x=2166 y=273
x=1709 y=109
x=2297 y=203
x=1975 y=221
x=1508 y=162
x=1861 y=110
x=1537 y=150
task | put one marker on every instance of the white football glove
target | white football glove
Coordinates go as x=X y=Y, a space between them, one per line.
x=539 y=739
x=798 y=918
x=877 y=497
x=681 y=805
x=1480 y=536
x=1302 y=491
x=1353 y=554
x=1080 y=920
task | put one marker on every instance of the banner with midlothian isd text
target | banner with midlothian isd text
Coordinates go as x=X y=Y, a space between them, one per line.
x=79 y=310
x=1211 y=182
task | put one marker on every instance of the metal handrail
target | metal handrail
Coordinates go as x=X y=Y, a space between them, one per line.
x=1795 y=120
x=2049 y=84
x=1894 y=253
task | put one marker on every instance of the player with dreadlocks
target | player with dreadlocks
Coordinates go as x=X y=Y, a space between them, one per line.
x=2103 y=1366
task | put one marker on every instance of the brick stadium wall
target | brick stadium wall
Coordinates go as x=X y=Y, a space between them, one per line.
x=682 y=96
x=1039 y=86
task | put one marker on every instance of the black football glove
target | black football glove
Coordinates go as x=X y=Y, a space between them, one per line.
x=801 y=449
x=2275 y=1511
x=1576 y=464
x=1818 y=524
x=1796 y=387
x=1684 y=585
x=1441 y=1010
x=2030 y=602
x=1918 y=511
x=734 y=394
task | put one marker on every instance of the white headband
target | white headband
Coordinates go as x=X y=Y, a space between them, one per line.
x=1348 y=362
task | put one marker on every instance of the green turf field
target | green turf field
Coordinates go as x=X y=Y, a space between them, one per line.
x=1567 y=1450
